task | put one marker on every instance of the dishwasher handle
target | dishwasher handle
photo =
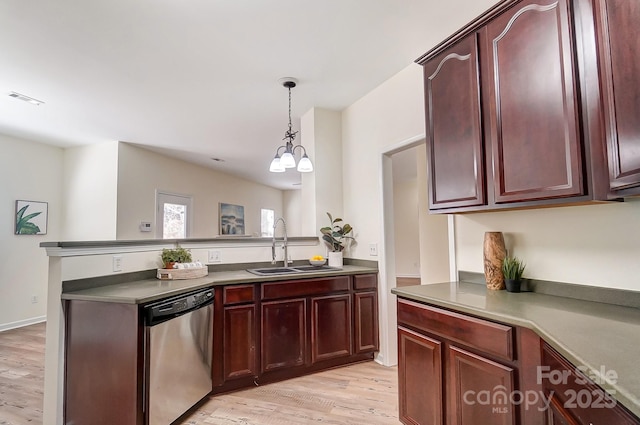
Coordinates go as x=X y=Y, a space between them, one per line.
x=167 y=309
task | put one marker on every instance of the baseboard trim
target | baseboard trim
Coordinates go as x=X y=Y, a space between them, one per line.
x=22 y=323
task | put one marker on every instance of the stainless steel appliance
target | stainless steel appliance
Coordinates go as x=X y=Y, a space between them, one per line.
x=178 y=355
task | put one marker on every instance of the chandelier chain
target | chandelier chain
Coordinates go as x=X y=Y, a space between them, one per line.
x=289 y=134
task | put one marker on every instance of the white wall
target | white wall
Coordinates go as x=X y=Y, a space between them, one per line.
x=141 y=172
x=293 y=211
x=595 y=245
x=90 y=191
x=434 y=230
x=405 y=214
x=391 y=113
x=30 y=171
x=322 y=190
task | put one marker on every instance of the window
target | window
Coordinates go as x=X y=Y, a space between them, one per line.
x=266 y=222
x=173 y=216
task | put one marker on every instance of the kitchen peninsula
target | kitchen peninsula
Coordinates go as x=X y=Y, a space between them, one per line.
x=330 y=316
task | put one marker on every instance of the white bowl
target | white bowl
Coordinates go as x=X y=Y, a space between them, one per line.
x=317 y=262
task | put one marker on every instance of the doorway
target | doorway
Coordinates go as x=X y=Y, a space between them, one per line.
x=434 y=233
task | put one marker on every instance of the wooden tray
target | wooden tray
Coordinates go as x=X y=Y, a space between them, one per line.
x=175 y=274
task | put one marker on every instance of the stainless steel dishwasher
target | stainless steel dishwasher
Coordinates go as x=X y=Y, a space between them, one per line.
x=178 y=355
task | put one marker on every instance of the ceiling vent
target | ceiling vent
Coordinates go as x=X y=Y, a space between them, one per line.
x=31 y=100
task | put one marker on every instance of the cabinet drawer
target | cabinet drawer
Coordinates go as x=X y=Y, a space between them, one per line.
x=365 y=281
x=302 y=288
x=489 y=337
x=237 y=294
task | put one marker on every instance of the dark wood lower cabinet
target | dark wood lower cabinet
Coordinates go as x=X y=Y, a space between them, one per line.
x=365 y=322
x=452 y=370
x=479 y=390
x=103 y=362
x=456 y=369
x=331 y=334
x=284 y=334
x=576 y=399
x=557 y=414
x=240 y=357
x=301 y=326
x=420 y=378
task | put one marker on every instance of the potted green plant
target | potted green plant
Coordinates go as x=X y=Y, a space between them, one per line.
x=512 y=269
x=175 y=255
x=335 y=236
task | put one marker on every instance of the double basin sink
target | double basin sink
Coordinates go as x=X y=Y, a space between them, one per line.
x=274 y=271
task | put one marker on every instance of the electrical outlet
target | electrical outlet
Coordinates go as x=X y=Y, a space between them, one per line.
x=214 y=256
x=373 y=249
x=34 y=299
x=117 y=263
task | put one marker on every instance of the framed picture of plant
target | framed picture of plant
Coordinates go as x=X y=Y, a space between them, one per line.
x=231 y=219
x=31 y=217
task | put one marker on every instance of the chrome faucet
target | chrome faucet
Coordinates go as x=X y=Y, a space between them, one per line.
x=284 y=245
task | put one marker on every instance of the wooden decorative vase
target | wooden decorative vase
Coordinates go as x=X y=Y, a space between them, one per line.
x=494 y=253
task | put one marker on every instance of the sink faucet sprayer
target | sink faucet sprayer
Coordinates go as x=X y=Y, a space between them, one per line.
x=284 y=245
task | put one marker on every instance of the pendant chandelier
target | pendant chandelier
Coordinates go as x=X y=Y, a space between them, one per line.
x=287 y=160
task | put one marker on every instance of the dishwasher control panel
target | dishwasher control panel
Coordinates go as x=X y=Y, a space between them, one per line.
x=175 y=306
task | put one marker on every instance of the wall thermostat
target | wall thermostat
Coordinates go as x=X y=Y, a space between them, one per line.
x=145 y=226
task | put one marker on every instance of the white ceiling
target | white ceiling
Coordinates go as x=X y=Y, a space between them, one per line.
x=199 y=79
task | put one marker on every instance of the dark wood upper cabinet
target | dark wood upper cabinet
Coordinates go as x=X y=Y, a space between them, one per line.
x=534 y=103
x=530 y=80
x=455 y=143
x=619 y=53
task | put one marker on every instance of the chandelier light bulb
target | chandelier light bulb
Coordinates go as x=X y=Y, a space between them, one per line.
x=305 y=165
x=287 y=160
x=276 y=165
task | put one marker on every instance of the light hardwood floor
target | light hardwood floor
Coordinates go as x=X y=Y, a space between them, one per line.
x=22 y=375
x=364 y=393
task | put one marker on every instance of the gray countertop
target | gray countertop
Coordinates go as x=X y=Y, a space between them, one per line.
x=147 y=290
x=598 y=336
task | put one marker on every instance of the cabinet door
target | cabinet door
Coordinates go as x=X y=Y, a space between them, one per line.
x=366 y=322
x=479 y=390
x=556 y=413
x=103 y=364
x=283 y=335
x=453 y=116
x=536 y=150
x=420 y=379
x=240 y=341
x=619 y=49
x=330 y=327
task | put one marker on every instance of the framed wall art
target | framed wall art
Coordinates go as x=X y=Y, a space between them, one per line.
x=31 y=217
x=231 y=219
